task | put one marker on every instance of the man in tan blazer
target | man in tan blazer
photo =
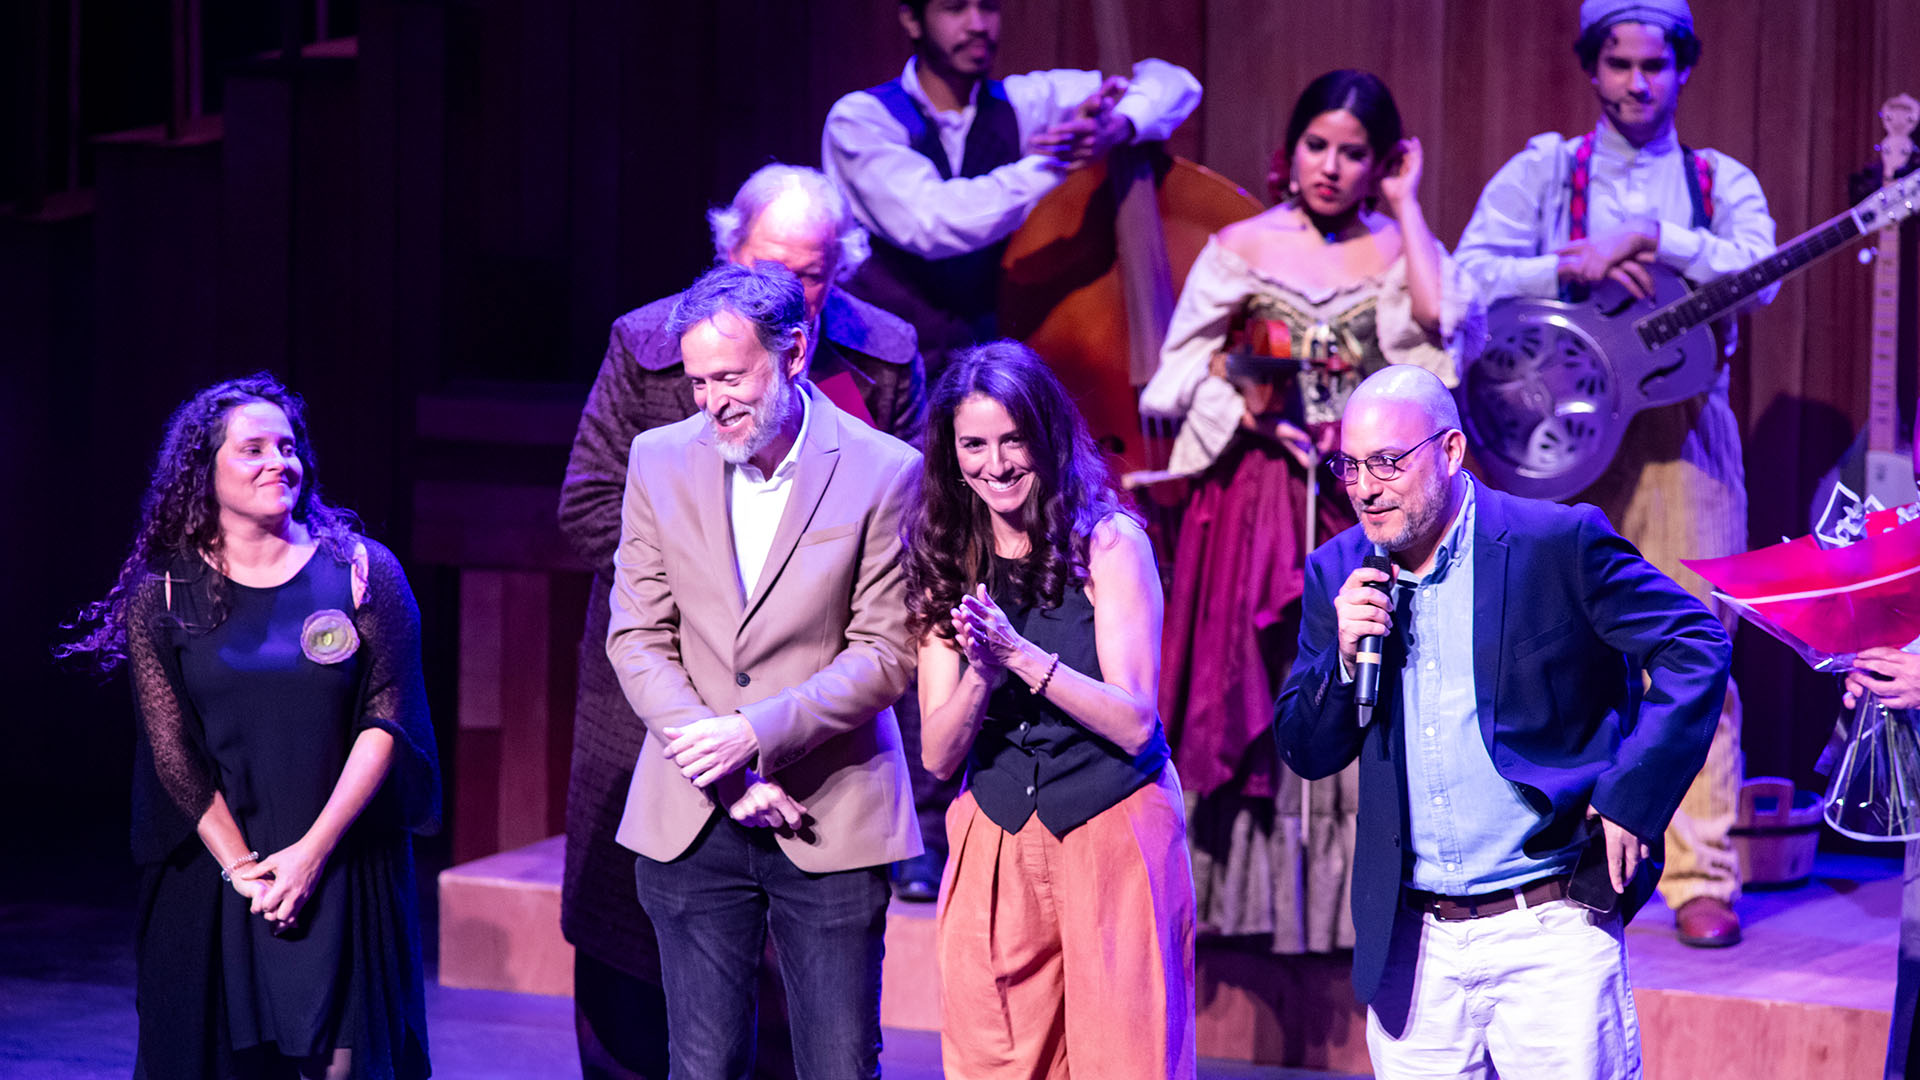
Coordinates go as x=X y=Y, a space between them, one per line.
x=759 y=631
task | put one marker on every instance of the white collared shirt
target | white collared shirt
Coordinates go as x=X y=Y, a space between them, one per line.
x=755 y=502
x=1522 y=219
x=898 y=194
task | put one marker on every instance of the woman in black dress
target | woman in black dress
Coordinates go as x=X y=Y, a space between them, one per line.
x=1065 y=926
x=275 y=661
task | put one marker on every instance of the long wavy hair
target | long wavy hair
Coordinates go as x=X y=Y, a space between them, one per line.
x=180 y=516
x=948 y=532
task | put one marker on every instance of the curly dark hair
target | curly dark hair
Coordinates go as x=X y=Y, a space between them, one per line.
x=948 y=535
x=1686 y=46
x=180 y=517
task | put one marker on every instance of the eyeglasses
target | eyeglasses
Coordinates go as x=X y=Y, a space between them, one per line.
x=1382 y=466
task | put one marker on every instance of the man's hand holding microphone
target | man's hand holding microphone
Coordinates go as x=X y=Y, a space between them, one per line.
x=1364 y=609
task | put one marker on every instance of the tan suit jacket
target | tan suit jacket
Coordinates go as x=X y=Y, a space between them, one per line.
x=814 y=659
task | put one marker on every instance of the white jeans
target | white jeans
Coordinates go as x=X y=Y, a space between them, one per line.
x=1537 y=992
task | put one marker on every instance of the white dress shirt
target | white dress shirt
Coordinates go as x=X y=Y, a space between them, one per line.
x=899 y=195
x=756 y=501
x=1522 y=220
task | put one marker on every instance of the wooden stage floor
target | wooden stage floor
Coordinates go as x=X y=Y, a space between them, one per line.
x=1809 y=993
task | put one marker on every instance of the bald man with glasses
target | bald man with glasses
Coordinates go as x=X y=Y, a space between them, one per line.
x=1545 y=697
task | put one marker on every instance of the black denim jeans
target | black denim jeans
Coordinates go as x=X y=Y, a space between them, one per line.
x=712 y=908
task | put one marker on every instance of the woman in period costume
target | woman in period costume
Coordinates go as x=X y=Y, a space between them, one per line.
x=1282 y=315
x=284 y=753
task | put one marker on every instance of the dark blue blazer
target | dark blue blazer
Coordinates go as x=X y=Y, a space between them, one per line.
x=1566 y=618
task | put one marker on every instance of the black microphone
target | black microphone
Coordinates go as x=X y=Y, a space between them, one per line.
x=1366 y=690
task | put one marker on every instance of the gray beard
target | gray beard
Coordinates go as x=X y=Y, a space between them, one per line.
x=768 y=420
x=1417 y=524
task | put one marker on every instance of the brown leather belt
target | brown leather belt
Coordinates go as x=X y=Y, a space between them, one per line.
x=1460 y=908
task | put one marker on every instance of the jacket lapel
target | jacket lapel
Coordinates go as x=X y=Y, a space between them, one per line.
x=1489 y=601
x=819 y=455
x=708 y=488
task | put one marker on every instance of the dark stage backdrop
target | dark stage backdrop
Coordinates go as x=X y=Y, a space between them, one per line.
x=459 y=201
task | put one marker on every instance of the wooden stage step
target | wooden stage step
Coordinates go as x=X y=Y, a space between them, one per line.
x=1809 y=993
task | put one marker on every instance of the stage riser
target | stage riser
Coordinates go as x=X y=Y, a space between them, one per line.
x=500 y=930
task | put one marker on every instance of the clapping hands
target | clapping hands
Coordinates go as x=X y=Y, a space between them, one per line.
x=1093 y=128
x=985 y=636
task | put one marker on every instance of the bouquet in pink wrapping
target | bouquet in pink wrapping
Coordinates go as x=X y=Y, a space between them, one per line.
x=1829 y=603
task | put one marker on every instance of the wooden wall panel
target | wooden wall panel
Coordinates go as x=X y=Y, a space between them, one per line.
x=691 y=101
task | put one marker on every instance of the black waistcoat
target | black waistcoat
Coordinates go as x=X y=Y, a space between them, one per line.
x=950 y=302
x=1030 y=756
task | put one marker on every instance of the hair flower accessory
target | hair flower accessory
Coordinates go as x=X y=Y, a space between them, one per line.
x=328 y=636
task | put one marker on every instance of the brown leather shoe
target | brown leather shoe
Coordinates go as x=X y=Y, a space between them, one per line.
x=1708 y=923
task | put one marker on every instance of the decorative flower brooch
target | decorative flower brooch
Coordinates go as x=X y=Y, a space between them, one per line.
x=328 y=636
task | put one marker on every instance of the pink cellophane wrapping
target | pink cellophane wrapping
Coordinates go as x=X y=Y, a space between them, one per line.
x=1828 y=603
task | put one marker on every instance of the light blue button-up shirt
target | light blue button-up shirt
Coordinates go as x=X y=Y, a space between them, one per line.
x=1467 y=821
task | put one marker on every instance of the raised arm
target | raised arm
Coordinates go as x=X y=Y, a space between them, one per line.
x=1316 y=722
x=1159 y=97
x=899 y=194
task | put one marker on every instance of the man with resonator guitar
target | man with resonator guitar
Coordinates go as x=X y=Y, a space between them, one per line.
x=1618 y=215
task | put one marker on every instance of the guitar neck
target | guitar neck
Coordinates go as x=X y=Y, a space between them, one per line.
x=1883 y=352
x=1728 y=291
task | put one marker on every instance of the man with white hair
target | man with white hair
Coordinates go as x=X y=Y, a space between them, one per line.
x=1567 y=212
x=1544 y=695
x=865 y=361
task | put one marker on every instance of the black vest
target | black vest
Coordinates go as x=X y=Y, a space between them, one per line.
x=950 y=302
x=1030 y=756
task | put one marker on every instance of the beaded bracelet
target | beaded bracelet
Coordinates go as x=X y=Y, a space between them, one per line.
x=226 y=872
x=1041 y=689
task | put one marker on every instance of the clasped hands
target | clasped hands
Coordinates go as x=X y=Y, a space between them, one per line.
x=278 y=887
x=1093 y=128
x=714 y=753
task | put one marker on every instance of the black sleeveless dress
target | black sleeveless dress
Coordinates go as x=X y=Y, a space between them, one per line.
x=277 y=728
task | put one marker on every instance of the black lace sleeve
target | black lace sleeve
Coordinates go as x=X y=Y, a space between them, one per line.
x=173 y=781
x=395 y=695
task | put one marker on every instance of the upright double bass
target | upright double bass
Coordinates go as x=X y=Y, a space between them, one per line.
x=1090 y=279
